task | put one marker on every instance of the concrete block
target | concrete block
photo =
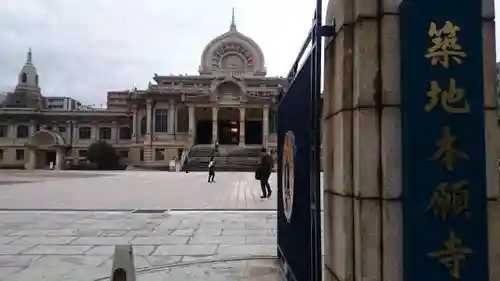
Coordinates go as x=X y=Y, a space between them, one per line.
x=365 y=63
x=492 y=147
x=367 y=237
x=392 y=240
x=366 y=152
x=123 y=264
x=489 y=65
x=493 y=241
x=390 y=58
x=365 y=8
x=391 y=153
x=342 y=155
x=341 y=90
x=340 y=246
x=488 y=7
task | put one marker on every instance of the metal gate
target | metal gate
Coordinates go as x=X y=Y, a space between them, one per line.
x=299 y=121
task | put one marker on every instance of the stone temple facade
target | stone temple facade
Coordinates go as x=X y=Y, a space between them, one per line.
x=231 y=102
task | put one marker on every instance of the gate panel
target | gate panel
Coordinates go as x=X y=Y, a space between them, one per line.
x=294 y=166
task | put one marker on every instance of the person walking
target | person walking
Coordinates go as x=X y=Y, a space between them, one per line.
x=264 y=172
x=211 y=170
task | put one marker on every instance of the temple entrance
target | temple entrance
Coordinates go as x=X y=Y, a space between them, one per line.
x=253 y=132
x=229 y=132
x=253 y=126
x=228 y=125
x=45 y=147
x=204 y=132
x=50 y=156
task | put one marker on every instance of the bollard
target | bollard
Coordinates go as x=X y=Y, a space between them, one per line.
x=123 y=264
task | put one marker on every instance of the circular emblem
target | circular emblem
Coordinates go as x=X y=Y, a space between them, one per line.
x=288 y=174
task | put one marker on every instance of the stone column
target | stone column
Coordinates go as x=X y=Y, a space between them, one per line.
x=32 y=128
x=265 y=125
x=95 y=130
x=32 y=159
x=134 y=123
x=59 y=165
x=11 y=129
x=192 y=124
x=363 y=236
x=492 y=134
x=149 y=113
x=242 y=126
x=172 y=114
x=215 y=115
x=115 y=132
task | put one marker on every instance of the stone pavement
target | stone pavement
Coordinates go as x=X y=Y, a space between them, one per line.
x=129 y=190
x=78 y=246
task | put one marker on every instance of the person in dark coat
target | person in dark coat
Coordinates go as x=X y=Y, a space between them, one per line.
x=264 y=172
x=211 y=170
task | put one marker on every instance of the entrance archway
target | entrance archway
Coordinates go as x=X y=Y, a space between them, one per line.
x=253 y=126
x=228 y=125
x=204 y=125
x=46 y=147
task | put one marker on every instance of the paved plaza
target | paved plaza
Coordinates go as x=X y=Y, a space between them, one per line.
x=129 y=190
x=168 y=246
x=64 y=225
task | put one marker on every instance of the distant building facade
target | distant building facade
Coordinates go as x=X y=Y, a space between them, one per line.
x=65 y=103
x=231 y=102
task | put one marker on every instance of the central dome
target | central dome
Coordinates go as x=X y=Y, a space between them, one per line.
x=232 y=52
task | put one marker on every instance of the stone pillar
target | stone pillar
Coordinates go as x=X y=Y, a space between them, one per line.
x=32 y=159
x=215 y=115
x=172 y=114
x=95 y=130
x=115 y=131
x=265 y=126
x=363 y=236
x=149 y=117
x=192 y=124
x=59 y=165
x=32 y=128
x=134 y=124
x=11 y=129
x=242 y=126
x=492 y=135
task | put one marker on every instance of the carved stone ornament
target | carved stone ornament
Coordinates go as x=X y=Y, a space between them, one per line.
x=288 y=176
x=232 y=56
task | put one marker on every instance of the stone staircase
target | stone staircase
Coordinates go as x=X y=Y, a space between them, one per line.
x=227 y=158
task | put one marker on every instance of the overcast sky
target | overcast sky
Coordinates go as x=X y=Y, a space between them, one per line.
x=83 y=48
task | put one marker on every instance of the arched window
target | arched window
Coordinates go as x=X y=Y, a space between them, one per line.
x=272 y=121
x=182 y=119
x=144 y=126
x=161 y=120
x=36 y=79
x=24 y=77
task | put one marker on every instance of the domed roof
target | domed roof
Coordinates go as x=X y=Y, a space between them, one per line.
x=232 y=52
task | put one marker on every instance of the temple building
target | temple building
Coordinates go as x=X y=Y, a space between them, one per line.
x=230 y=102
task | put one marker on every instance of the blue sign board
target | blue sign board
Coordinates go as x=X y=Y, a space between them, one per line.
x=444 y=185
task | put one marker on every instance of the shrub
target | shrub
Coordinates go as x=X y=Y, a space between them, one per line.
x=104 y=156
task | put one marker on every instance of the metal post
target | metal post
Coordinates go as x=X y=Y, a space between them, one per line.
x=316 y=50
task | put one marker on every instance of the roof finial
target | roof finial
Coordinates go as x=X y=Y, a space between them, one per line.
x=233 y=22
x=29 y=59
